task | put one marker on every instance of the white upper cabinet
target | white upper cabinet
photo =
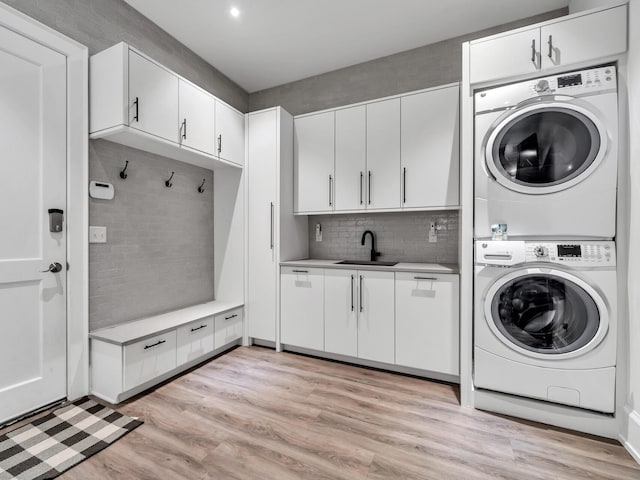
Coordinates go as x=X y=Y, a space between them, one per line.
x=584 y=38
x=153 y=98
x=196 y=118
x=505 y=56
x=383 y=154
x=229 y=135
x=559 y=42
x=429 y=148
x=314 y=162
x=351 y=158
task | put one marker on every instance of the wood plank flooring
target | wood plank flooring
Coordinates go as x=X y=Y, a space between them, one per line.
x=257 y=414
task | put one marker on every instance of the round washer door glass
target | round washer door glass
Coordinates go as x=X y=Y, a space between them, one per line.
x=546 y=146
x=546 y=314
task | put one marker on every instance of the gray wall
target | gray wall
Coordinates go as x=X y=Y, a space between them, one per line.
x=422 y=67
x=401 y=237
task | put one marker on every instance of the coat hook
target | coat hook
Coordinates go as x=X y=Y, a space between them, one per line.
x=168 y=182
x=123 y=173
x=201 y=187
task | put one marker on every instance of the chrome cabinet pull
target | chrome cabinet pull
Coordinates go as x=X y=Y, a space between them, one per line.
x=404 y=185
x=352 y=279
x=198 y=328
x=361 y=306
x=533 y=51
x=550 y=42
x=159 y=342
x=425 y=278
x=231 y=316
x=330 y=190
x=136 y=117
x=361 y=179
x=271 y=233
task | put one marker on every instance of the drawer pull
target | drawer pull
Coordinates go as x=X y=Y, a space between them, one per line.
x=231 y=316
x=425 y=278
x=300 y=271
x=198 y=328
x=159 y=342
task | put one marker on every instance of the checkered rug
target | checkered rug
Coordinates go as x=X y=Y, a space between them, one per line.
x=56 y=442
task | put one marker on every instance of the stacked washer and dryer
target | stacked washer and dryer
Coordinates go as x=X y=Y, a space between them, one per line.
x=545 y=322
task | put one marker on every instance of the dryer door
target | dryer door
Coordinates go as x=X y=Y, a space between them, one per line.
x=546 y=313
x=546 y=146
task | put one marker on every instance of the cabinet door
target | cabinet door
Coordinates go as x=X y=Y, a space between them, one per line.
x=505 y=56
x=341 y=312
x=430 y=159
x=376 y=316
x=262 y=208
x=229 y=134
x=585 y=38
x=351 y=158
x=301 y=307
x=427 y=322
x=383 y=154
x=153 y=98
x=196 y=119
x=314 y=162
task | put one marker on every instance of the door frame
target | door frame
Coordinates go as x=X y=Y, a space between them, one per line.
x=77 y=217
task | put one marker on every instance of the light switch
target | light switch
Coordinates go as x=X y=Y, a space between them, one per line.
x=97 y=234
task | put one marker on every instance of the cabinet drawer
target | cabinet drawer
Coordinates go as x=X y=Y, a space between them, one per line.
x=228 y=327
x=149 y=359
x=194 y=340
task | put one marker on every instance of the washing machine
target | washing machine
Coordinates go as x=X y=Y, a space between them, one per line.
x=545 y=321
x=546 y=156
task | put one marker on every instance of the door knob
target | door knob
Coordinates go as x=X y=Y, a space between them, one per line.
x=53 y=268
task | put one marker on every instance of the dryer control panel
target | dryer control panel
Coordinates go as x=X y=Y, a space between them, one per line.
x=572 y=253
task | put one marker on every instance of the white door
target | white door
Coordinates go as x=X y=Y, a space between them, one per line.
x=314 y=162
x=506 y=56
x=261 y=294
x=383 y=154
x=427 y=322
x=301 y=307
x=229 y=134
x=351 y=158
x=153 y=98
x=430 y=159
x=32 y=181
x=585 y=38
x=376 y=316
x=196 y=118
x=341 y=312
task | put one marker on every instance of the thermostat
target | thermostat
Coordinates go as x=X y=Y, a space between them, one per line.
x=101 y=190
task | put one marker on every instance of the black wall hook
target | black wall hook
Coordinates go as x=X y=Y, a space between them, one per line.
x=201 y=187
x=123 y=173
x=168 y=182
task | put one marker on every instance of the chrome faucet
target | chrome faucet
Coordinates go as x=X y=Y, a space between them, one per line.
x=374 y=254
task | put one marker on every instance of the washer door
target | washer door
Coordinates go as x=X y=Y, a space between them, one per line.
x=545 y=313
x=545 y=147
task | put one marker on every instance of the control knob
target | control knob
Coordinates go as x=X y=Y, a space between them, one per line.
x=542 y=86
x=540 y=251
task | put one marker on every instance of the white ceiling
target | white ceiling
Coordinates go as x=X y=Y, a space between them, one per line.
x=274 y=42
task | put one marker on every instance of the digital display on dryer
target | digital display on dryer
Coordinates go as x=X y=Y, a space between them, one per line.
x=570 y=80
x=569 y=251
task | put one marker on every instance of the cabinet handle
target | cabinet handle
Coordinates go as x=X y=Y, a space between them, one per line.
x=300 y=271
x=184 y=129
x=231 y=316
x=352 y=279
x=533 y=51
x=330 y=190
x=369 y=187
x=159 y=342
x=271 y=232
x=361 y=179
x=550 y=42
x=137 y=104
x=219 y=144
x=360 y=292
x=198 y=328
x=425 y=278
x=404 y=185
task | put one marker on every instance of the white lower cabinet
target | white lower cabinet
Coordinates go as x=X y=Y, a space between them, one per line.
x=427 y=322
x=194 y=340
x=341 y=312
x=376 y=316
x=302 y=312
x=149 y=359
x=228 y=327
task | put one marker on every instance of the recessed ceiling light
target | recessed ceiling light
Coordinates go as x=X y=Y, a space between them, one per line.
x=234 y=12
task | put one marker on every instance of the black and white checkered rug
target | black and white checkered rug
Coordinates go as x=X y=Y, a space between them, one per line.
x=56 y=442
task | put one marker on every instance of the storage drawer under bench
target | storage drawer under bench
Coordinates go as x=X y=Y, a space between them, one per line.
x=149 y=359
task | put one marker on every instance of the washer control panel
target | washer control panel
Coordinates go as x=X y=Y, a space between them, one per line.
x=572 y=253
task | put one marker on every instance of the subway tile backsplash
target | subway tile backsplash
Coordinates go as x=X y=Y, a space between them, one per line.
x=400 y=237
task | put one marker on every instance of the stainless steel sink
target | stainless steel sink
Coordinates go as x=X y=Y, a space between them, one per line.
x=367 y=262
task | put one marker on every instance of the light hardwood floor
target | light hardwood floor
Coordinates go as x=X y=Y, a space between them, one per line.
x=257 y=414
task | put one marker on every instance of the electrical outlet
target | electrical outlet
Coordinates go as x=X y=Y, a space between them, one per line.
x=433 y=233
x=318 y=232
x=97 y=234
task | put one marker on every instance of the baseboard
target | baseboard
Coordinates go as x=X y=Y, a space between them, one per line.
x=631 y=440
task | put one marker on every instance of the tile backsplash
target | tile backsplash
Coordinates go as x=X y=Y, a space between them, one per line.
x=400 y=237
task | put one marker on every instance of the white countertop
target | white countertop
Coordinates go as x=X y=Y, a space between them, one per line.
x=398 y=267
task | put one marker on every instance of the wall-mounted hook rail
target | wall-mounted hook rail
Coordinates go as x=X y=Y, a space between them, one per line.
x=201 y=187
x=123 y=172
x=168 y=183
